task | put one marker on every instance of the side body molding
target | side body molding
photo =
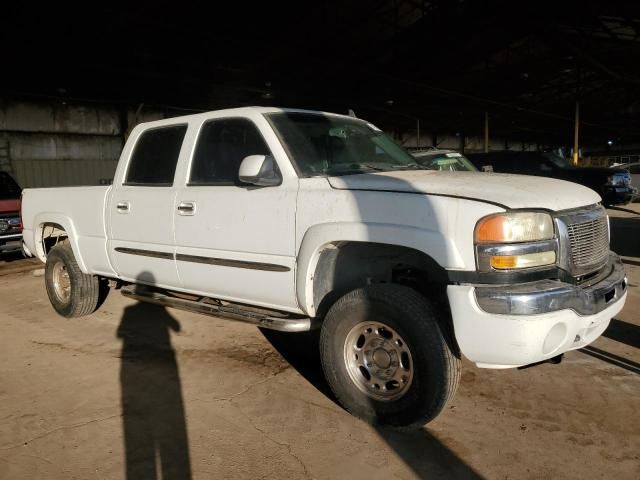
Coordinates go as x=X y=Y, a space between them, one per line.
x=321 y=236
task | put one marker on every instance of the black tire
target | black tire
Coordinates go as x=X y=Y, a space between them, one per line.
x=433 y=355
x=84 y=293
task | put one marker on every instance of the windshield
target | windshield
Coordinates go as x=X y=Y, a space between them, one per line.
x=445 y=161
x=323 y=145
x=8 y=187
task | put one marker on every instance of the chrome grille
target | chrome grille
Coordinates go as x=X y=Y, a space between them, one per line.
x=588 y=239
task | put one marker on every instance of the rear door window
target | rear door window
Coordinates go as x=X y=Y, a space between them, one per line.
x=155 y=156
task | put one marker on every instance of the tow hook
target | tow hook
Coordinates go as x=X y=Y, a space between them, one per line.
x=553 y=360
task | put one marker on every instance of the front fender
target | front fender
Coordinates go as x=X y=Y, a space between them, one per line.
x=433 y=243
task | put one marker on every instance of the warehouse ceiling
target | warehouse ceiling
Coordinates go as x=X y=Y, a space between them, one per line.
x=444 y=62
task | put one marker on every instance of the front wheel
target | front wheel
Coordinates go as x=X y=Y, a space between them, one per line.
x=386 y=356
x=71 y=292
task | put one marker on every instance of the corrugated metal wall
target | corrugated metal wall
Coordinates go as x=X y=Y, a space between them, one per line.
x=57 y=144
x=471 y=143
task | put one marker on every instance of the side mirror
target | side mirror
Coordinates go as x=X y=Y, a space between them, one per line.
x=260 y=170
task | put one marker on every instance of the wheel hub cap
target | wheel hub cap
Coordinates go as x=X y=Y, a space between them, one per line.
x=381 y=358
x=378 y=361
x=61 y=282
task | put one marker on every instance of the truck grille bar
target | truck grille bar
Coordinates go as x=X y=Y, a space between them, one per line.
x=584 y=240
x=589 y=242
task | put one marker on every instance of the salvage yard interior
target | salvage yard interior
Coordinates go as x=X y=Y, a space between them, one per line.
x=425 y=310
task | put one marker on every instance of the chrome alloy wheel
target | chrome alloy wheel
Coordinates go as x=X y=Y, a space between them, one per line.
x=61 y=282
x=378 y=361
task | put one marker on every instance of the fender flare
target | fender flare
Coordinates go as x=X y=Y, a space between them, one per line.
x=67 y=224
x=317 y=238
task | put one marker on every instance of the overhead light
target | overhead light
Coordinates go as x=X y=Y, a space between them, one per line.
x=609 y=142
x=389 y=102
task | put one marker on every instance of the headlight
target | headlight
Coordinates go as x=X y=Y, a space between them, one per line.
x=512 y=227
x=515 y=240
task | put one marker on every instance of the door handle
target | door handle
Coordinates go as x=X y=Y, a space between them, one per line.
x=187 y=208
x=123 y=207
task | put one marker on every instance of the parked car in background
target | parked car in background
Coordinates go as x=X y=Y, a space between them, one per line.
x=634 y=171
x=443 y=160
x=612 y=184
x=10 y=223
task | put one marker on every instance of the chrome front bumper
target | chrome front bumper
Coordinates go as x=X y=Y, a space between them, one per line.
x=551 y=295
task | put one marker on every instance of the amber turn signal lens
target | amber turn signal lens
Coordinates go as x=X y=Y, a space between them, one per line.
x=514 y=227
x=491 y=229
x=504 y=262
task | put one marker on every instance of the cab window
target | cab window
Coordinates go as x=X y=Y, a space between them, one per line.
x=155 y=156
x=221 y=147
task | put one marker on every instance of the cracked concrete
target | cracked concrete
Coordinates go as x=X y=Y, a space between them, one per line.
x=249 y=413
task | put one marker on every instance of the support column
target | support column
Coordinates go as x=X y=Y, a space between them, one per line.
x=486 y=132
x=576 y=134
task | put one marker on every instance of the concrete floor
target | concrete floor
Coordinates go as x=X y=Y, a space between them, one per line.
x=141 y=389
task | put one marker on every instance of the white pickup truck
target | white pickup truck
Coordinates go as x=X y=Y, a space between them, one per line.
x=293 y=220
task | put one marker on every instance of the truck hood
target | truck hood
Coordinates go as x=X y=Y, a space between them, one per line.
x=512 y=191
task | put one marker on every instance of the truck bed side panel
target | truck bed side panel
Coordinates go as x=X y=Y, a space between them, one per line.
x=81 y=212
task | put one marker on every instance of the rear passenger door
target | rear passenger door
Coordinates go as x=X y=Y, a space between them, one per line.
x=235 y=241
x=141 y=209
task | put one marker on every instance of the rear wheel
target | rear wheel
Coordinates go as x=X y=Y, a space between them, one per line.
x=71 y=292
x=386 y=356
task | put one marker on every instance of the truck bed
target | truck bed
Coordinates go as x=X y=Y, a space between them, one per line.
x=80 y=211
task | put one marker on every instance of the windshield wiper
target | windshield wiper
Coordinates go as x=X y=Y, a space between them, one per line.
x=373 y=167
x=353 y=168
x=415 y=166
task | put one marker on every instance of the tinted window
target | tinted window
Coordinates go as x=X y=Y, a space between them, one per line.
x=8 y=188
x=533 y=166
x=499 y=163
x=154 y=158
x=221 y=147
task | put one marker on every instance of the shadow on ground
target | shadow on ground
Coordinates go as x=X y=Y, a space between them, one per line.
x=612 y=359
x=624 y=332
x=153 y=417
x=423 y=453
x=11 y=255
x=625 y=236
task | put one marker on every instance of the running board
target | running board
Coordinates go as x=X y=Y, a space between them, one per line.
x=271 y=319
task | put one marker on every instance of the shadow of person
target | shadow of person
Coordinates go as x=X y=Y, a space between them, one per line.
x=155 y=433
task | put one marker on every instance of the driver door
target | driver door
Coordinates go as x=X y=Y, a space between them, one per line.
x=235 y=241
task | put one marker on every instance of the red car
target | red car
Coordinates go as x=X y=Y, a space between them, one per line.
x=10 y=221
